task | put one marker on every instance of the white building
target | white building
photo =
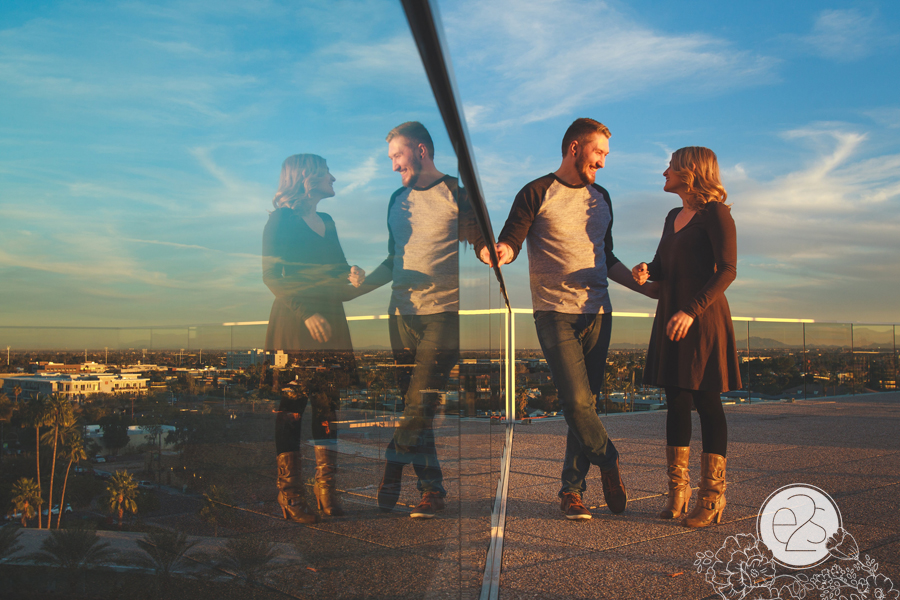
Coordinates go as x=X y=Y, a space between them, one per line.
x=242 y=360
x=76 y=386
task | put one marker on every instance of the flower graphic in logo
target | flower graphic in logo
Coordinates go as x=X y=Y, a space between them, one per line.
x=746 y=568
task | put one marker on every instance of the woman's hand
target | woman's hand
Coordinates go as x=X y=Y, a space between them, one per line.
x=319 y=328
x=640 y=273
x=678 y=326
x=357 y=276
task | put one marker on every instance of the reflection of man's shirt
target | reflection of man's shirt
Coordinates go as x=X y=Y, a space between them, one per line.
x=423 y=248
x=570 y=247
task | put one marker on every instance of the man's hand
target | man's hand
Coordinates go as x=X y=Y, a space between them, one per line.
x=357 y=276
x=319 y=328
x=678 y=326
x=505 y=254
x=640 y=273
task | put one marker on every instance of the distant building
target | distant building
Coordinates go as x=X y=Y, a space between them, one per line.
x=76 y=386
x=242 y=360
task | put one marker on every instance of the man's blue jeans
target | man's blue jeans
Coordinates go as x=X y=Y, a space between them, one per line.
x=430 y=343
x=575 y=348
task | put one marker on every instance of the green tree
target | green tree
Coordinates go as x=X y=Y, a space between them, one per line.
x=121 y=495
x=37 y=415
x=115 y=432
x=163 y=552
x=27 y=499
x=17 y=389
x=7 y=409
x=216 y=507
x=9 y=541
x=73 y=452
x=73 y=550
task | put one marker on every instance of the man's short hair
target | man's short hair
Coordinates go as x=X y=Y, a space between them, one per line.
x=580 y=130
x=416 y=133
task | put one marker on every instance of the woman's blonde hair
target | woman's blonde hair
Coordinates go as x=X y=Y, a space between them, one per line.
x=699 y=170
x=297 y=171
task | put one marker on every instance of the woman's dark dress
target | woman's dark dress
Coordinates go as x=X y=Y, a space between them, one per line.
x=308 y=275
x=694 y=267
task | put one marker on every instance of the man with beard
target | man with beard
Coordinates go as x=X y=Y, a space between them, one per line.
x=567 y=220
x=427 y=218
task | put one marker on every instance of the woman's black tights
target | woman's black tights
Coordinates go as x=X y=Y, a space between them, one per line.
x=713 y=427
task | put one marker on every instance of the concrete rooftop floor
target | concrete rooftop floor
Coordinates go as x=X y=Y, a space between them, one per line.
x=847 y=446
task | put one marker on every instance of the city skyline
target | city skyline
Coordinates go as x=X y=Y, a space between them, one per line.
x=144 y=153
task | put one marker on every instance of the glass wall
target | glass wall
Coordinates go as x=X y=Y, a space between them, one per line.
x=269 y=320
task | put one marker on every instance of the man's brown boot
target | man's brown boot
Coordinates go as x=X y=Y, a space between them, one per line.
x=614 y=489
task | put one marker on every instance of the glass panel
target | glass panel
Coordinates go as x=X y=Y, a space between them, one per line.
x=625 y=367
x=874 y=360
x=830 y=361
x=155 y=239
x=776 y=360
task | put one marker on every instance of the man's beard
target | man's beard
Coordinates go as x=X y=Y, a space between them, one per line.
x=417 y=168
x=580 y=164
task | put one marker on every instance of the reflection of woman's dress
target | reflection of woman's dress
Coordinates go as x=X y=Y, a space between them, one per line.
x=308 y=275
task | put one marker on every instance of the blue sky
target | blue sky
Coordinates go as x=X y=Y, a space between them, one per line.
x=140 y=143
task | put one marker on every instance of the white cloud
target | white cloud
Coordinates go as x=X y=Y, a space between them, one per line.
x=540 y=59
x=847 y=35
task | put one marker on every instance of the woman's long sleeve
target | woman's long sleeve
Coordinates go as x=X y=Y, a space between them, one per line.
x=723 y=239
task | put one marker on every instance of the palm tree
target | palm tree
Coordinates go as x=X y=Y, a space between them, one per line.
x=9 y=536
x=121 y=494
x=60 y=416
x=17 y=389
x=73 y=451
x=163 y=551
x=27 y=499
x=74 y=550
x=216 y=507
x=249 y=559
x=37 y=416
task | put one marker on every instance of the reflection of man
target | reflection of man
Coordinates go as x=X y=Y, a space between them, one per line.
x=567 y=220
x=425 y=221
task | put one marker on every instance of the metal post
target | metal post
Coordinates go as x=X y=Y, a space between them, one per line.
x=805 y=362
x=852 y=363
x=749 y=400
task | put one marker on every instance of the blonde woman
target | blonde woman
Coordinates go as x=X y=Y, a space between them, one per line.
x=304 y=266
x=692 y=349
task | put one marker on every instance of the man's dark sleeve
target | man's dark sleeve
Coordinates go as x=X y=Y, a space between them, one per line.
x=608 y=240
x=524 y=209
x=389 y=261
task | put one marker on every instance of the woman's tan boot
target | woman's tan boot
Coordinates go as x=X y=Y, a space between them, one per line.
x=679 y=482
x=711 y=496
x=290 y=489
x=326 y=496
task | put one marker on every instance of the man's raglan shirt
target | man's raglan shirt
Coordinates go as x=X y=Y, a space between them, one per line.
x=570 y=247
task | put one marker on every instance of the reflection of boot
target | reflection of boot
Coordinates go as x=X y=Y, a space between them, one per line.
x=326 y=496
x=711 y=497
x=290 y=489
x=389 y=490
x=679 y=482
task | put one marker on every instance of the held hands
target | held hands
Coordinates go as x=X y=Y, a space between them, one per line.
x=640 y=273
x=678 y=326
x=505 y=254
x=319 y=328
x=357 y=276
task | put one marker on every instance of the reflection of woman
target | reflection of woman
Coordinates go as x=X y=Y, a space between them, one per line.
x=692 y=350
x=304 y=266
